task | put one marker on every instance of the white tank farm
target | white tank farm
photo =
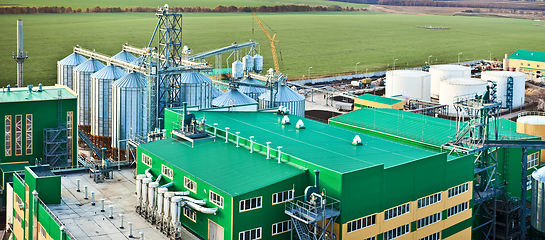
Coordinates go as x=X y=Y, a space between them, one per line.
x=82 y=87
x=286 y=97
x=537 y=214
x=128 y=108
x=238 y=69
x=443 y=72
x=248 y=63
x=101 y=101
x=408 y=84
x=455 y=87
x=258 y=63
x=65 y=69
x=500 y=78
x=252 y=91
x=195 y=89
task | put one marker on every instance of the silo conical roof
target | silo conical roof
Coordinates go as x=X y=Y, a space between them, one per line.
x=194 y=77
x=216 y=92
x=284 y=94
x=90 y=65
x=124 y=56
x=109 y=72
x=131 y=80
x=137 y=61
x=73 y=59
x=232 y=97
x=252 y=89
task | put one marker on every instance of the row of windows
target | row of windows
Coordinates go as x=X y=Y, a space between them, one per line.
x=18 y=134
x=458 y=190
x=250 y=204
x=281 y=227
x=457 y=209
x=397 y=232
x=250 y=234
x=361 y=223
x=435 y=236
x=397 y=211
x=533 y=160
x=429 y=200
x=371 y=238
x=428 y=220
x=190 y=213
x=277 y=228
x=282 y=197
x=522 y=64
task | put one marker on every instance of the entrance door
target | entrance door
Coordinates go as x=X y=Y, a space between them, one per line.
x=215 y=231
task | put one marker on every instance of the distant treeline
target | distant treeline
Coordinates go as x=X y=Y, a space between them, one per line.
x=220 y=9
x=497 y=5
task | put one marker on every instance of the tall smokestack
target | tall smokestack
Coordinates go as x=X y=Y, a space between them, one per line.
x=19 y=56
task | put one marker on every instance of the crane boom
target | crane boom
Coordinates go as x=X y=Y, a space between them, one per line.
x=273 y=48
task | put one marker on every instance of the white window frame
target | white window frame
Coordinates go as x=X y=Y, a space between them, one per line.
x=429 y=220
x=361 y=223
x=435 y=236
x=215 y=199
x=242 y=204
x=397 y=232
x=146 y=160
x=190 y=185
x=533 y=160
x=457 y=209
x=258 y=233
x=455 y=191
x=18 y=135
x=7 y=136
x=190 y=213
x=28 y=125
x=397 y=211
x=278 y=228
x=167 y=172
x=429 y=200
x=285 y=196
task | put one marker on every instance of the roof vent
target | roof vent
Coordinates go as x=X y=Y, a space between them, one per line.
x=30 y=89
x=9 y=87
x=356 y=140
x=283 y=110
x=39 y=87
x=286 y=120
x=300 y=124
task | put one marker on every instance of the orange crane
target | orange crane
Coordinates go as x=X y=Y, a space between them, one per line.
x=273 y=48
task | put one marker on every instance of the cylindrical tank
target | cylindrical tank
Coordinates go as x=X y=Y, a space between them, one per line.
x=152 y=191
x=408 y=84
x=160 y=198
x=238 y=69
x=145 y=183
x=248 y=63
x=195 y=89
x=284 y=96
x=506 y=63
x=233 y=97
x=124 y=56
x=101 y=104
x=166 y=205
x=252 y=91
x=457 y=87
x=532 y=123
x=139 y=179
x=82 y=87
x=175 y=209
x=216 y=92
x=129 y=112
x=537 y=219
x=442 y=72
x=258 y=63
x=501 y=78
x=65 y=69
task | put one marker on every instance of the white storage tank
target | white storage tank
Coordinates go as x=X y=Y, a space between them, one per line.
x=195 y=89
x=82 y=87
x=456 y=87
x=443 y=72
x=128 y=108
x=252 y=91
x=101 y=104
x=238 y=69
x=501 y=79
x=65 y=69
x=248 y=63
x=537 y=214
x=258 y=63
x=408 y=84
x=233 y=97
x=286 y=97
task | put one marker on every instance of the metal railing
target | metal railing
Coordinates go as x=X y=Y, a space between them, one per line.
x=531 y=113
x=57 y=220
x=309 y=212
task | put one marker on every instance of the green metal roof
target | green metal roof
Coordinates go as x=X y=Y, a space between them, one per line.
x=415 y=127
x=47 y=93
x=320 y=144
x=13 y=167
x=528 y=55
x=233 y=170
x=379 y=99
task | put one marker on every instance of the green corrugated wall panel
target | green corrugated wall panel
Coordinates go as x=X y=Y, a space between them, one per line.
x=398 y=185
x=458 y=171
x=361 y=191
x=429 y=175
x=509 y=167
x=49 y=189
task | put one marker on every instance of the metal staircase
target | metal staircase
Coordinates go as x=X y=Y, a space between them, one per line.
x=509 y=95
x=313 y=221
x=89 y=143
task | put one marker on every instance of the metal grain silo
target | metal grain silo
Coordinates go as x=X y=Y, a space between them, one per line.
x=284 y=96
x=65 y=69
x=252 y=91
x=82 y=87
x=537 y=219
x=124 y=56
x=101 y=103
x=231 y=98
x=258 y=63
x=128 y=108
x=216 y=92
x=238 y=69
x=248 y=63
x=195 y=89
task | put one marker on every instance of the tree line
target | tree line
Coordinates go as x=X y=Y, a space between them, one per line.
x=494 y=5
x=219 y=8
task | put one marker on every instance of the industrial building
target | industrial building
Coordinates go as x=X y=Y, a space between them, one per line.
x=374 y=101
x=526 y=61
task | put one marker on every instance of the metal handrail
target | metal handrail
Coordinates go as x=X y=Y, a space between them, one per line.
x=531 y=113
x=304 y=209
x=57 y=220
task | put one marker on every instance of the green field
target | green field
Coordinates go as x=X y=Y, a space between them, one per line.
x=330 y=42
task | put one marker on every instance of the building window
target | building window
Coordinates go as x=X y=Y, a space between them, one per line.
x=397 y=211
x=281 y=227
x=43 y=232
x=282 y=197
x=521 y=64
x=250 y=234
x=28 y=134
x=457 y=209
x=18 y=200
x=215 y=199
x=428 y=220
x=69 y=134
x=372 y=238
x=528 y=182
x=7 y=137
x=458 y=190
x=190 y=213
x=528 y=64
x=435 y=236
x=146 y=160
x=166 y=171
x=361 y=223
x=429 y=200
x=18 y=135
x=249 y=204
x=533 y=160
x=190 y=184
x=18 y=217
x=397 y=232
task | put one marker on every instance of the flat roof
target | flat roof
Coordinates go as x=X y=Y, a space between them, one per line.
x=13 y=166
x=416 y=127
x=528 y=55
x=233 y=170
x=320 y=144
x=47 y=93
x=379 y=99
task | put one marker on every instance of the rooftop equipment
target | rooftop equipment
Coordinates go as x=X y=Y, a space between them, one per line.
x=65 y=73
